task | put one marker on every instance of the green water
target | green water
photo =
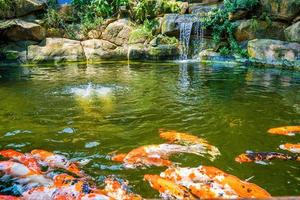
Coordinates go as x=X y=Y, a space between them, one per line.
x=232 y=107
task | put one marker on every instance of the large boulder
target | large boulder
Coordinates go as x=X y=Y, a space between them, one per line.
x=56 y=49
x=273 y=50
x=95 y=50
x=257 y=29
x=118 y=32
x=22 y=7
x=159 y=52
x=281 y=9
x=18 y=29
x=292 y=33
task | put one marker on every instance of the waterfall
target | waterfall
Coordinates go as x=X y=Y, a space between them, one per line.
x=185 y=34
x=191 y=35
x=199 y=39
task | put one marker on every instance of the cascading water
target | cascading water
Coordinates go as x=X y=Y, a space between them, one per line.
x=191 y=34
x=185 y=34
x=198 y=40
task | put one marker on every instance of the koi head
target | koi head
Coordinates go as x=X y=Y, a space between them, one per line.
x=119 y=157
x=41 y=154
x=168 y=135
x=243 y=158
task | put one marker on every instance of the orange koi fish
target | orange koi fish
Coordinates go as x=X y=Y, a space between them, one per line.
x=168 y=189
x=25 y=159
x=8 y=197
x=187 y=139
x=22 y=172
x=155 y=155
x=250 y=156
x=285 y=130
x=294 y=148
x=56 y=161
x=210 y=182
x=119 y=190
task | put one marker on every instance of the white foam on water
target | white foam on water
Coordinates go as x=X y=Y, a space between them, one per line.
x=90 y=90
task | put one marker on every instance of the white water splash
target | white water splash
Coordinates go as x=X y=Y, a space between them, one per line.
x=185 y=34
x=91 y=90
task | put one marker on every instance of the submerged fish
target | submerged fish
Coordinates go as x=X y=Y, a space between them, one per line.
x=26 y=159
x=285 y=130
x=168 y=189
x=155 y=155
x=250 y=156
x=210 y=182
x=294 y=148
x=56 y=161
x=187 y=139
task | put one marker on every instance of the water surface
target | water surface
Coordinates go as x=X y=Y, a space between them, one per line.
x=89 y=111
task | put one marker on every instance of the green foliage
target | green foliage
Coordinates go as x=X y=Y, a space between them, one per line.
x=223 y=28
x=6 y=6
x=144 y=32
x=149 y=9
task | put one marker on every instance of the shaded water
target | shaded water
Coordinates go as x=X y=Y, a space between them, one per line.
x=89 y=111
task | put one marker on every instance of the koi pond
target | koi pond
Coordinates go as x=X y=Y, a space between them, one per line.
x=91 y=111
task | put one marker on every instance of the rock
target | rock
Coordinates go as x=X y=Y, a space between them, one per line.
x=281 y=9
x=15 y=52
x=292 y=33
x=237 y=15
x=94 y=34
x=203 y=8
x=17 y=29
x=22 y=7
x=160 y=52
x=273 y=50
x=168 y=25
x=56 y=49
x=163 y=40
x=118 y=32
x=256 y=29
x=95 y=50
x=140 y=36
x=55 y=32
x=208 y=53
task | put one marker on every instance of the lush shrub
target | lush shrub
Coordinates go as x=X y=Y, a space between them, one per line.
x=149 y=9
x=6 y=6
x=218 y=21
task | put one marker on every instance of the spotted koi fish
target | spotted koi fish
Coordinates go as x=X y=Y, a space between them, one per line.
x=285 y=130
x=187 y=139
x=209 y=182
x=26 y=159
x=294 y=148
x=23 y=173
x=56 y=161
x=155 y=155
x=250 y=156
x=117 y=189
x=168 y=189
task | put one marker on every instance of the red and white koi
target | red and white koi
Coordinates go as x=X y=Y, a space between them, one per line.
x=294 y=148
x=56 y=161
x=23 y=173
x=168 y=189
x=187 y=139
x=210 y=182
x=25 y=159
x=119 y=190
x=155 y=155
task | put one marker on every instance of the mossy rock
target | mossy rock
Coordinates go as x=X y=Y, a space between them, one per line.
x=140 y=35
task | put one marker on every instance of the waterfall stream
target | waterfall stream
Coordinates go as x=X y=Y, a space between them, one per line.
x=185 y=34
x=191 y=36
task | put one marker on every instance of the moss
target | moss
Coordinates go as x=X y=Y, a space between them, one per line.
x=140 y=35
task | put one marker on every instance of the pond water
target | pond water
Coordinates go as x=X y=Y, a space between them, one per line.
x=89 y=111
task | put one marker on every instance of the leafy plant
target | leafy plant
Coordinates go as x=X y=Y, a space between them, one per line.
x=223 y=28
